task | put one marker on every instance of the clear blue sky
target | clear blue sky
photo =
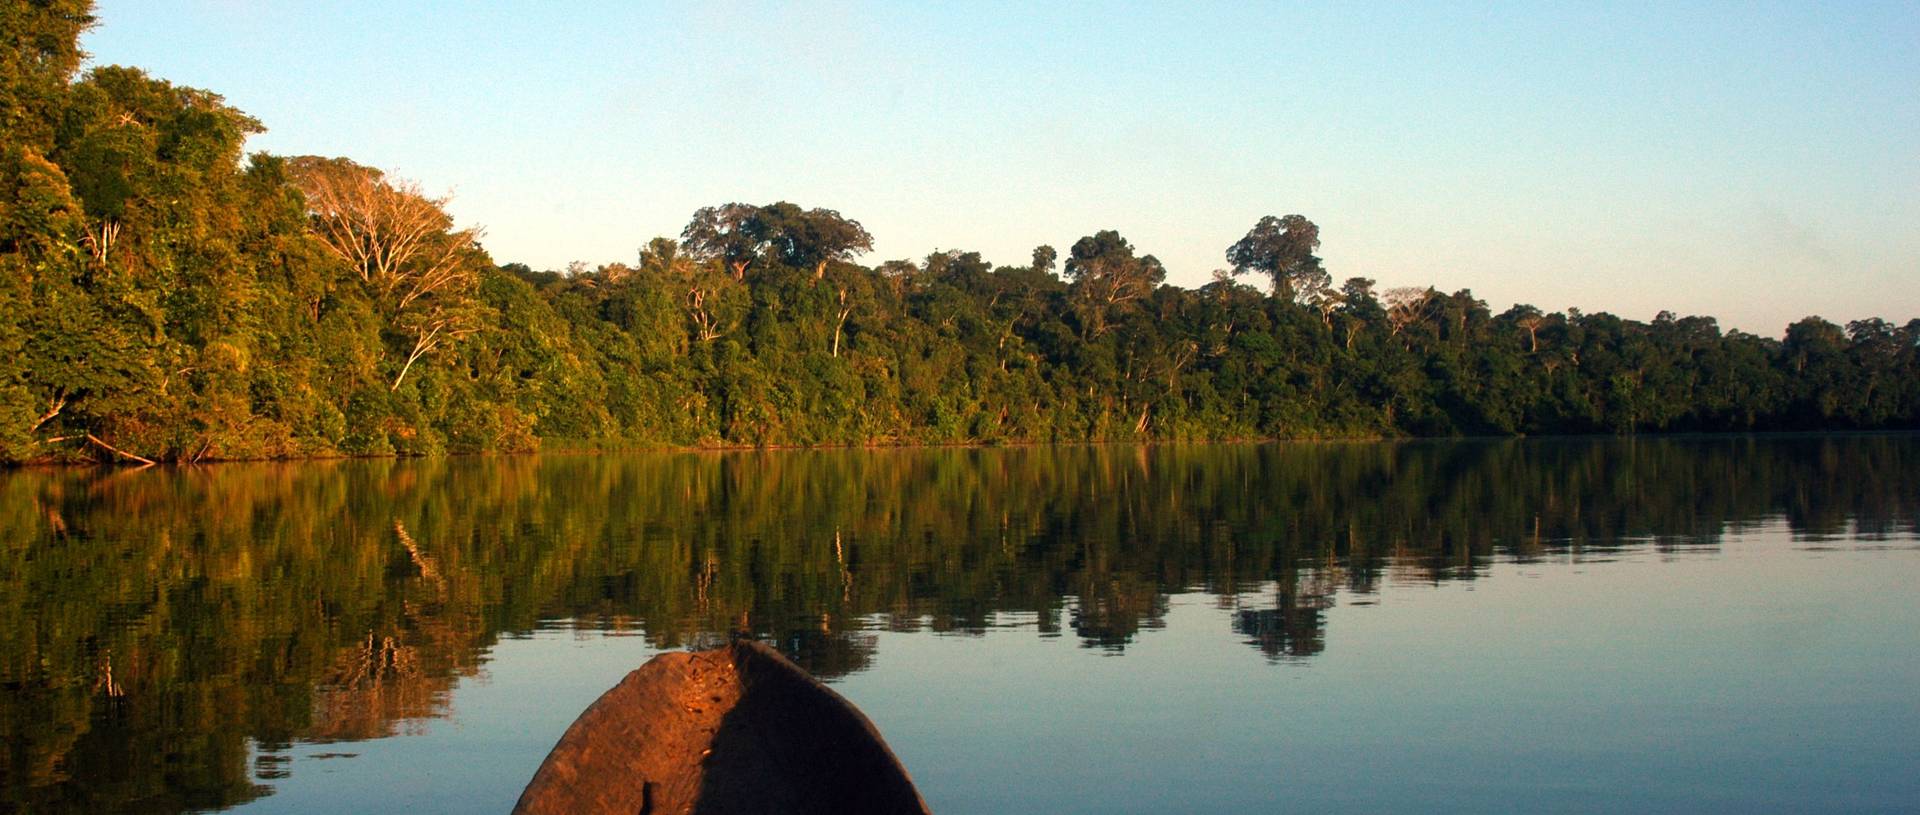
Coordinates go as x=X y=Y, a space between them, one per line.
x=1756 y=162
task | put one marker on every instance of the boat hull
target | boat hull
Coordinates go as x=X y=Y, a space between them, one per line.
x=730 y=731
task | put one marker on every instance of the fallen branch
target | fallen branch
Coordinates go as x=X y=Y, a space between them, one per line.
x=142 y=459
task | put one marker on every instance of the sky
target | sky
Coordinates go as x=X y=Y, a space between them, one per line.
x=1757 y=162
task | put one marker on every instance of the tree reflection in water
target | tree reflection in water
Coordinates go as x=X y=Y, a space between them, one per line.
x=155 y=623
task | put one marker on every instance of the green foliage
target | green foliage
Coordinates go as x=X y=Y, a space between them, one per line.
x=1282 y=249
x=739 y=235
x=162 y=300
x=39 y=51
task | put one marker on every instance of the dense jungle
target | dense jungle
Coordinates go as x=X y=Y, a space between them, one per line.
x=165 y=297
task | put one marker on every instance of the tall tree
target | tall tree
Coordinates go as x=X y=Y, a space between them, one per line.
x=1107 y=275
x=1043 y=258
x=397 y=239
x=729 y=233
x=1282 y=249
x=810 y=239
x=740 y=234
x=403 y=247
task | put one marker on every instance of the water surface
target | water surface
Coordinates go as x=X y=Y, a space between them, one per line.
x=1683 y=625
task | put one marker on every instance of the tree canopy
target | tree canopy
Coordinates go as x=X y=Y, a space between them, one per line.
x=738 y=235
x=163 y=297
x=1282 y=249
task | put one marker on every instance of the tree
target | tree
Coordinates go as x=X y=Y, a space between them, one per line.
x=433 y=329
x=1530 y=319
x=1357 y=290
x=963 y=270
x=1104 y=266
x=1282 y=248
x=740 y=234
x=40 y=225
x=811 y=239
x=698 y=287
x=729 y=233
x=39 y=53
x=659 y=255
x=1043 y=258
x=399 y=241
x=897 y=274
x=402 y=246
x=1409 y=305
x=1106 y=274
x=1358 y=308
x=1326 y=300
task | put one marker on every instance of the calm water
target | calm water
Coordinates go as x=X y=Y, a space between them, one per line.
x=1681 y=625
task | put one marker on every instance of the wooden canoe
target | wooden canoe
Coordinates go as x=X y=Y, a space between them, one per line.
x=730 y=731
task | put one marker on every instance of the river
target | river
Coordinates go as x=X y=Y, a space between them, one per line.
x=1712 y=624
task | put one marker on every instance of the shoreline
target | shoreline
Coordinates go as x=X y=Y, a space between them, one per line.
x=607 y=450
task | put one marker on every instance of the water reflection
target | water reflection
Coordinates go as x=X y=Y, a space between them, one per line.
x=154 y=624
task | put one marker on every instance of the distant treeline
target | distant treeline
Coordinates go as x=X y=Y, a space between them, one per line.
x=163 y=299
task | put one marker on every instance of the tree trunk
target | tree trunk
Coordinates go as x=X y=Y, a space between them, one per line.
x=836 y=330
x=421 y=346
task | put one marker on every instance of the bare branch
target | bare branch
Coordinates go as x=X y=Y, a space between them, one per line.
x=437 y=330
x=397 y=239
x=54 y=406
x=100 y=242
x=142 y=459
x=1406 y=306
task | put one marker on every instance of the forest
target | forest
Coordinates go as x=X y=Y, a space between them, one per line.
x=165 y=296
